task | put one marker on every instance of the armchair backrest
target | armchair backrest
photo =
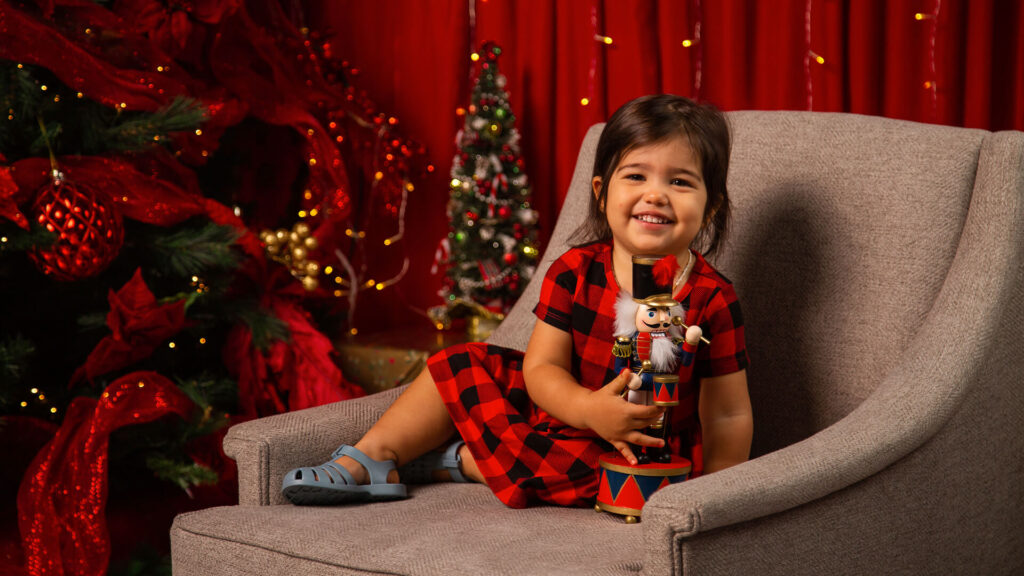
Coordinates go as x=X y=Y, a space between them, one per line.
x=838 y=246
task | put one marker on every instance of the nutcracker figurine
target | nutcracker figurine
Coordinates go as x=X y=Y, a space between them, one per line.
x=652 y=341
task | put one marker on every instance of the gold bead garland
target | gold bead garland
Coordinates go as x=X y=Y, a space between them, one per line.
x=292 y=249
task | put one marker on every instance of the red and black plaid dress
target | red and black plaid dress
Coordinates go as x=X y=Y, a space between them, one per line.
x=525 y=454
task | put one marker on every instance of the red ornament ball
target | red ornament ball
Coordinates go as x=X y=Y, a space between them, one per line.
x=90 y=231
x=510 y=258
x=504 y=212
x=472 y=215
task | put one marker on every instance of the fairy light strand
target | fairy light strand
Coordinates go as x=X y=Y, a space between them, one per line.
x=594 y=52
x=808 y=54
x=698 y=66
x=932 y=84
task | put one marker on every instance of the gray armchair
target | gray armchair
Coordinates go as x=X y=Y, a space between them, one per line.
x=880 y=264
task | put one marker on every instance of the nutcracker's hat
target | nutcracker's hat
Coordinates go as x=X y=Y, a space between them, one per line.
x=653 y=277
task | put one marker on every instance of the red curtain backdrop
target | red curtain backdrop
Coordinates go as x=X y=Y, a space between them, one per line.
x=954 y=62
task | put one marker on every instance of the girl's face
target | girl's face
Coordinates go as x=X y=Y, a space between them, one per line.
x=656 y=199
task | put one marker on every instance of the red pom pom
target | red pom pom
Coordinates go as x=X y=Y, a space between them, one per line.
x=665 y=270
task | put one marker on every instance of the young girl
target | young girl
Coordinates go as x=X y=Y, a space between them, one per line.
x=533 y=426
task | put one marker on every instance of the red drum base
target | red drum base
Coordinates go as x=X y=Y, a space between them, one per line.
x=666 y=390
x=623 y=488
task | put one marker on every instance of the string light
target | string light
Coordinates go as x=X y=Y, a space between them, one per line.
x=808 y=55
x=931 y=83
x=603 y=39
x=592 y=71
x=687 y=43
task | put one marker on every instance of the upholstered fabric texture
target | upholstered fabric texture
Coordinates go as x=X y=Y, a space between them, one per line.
x=880 y=266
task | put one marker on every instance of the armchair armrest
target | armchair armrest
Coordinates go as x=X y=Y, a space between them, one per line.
x=266 y=448
x=948 y=364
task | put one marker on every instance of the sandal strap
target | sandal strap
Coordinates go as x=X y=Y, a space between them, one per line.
x=452 y=460
x=377 y=470
x=332 y=469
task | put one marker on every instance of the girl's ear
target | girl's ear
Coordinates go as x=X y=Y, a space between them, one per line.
x=712 y=210
x=596 y=184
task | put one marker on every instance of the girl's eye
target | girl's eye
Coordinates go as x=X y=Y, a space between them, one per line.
x=635 y=177
x=681 y=182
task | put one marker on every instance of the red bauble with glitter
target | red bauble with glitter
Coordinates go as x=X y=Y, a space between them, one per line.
x=90 y=231
x=510 y=258
x=504 y=212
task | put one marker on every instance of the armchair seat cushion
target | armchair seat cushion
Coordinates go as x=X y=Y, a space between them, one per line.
x=442 y=529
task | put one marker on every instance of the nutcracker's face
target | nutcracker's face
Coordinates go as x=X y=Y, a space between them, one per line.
x=653 y=319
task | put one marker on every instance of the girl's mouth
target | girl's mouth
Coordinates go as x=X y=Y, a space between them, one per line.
x=651 y=219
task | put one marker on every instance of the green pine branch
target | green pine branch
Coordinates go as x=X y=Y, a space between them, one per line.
x=75 y=124
x=184 y=474
x=129 y=132
x=196 y=250
x=15 y=353
x=265 y=327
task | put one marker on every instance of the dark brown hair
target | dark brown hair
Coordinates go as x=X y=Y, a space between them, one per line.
x=652 y=120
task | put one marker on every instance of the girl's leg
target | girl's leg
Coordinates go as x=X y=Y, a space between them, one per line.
x=414 y=424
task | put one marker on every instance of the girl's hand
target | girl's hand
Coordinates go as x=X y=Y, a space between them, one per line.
x=618 y=421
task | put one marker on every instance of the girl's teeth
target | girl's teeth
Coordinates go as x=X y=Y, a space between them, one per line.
x=651 y=219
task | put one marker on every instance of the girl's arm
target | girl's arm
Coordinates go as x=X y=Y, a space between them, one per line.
x=727 y=421
x=549 y=381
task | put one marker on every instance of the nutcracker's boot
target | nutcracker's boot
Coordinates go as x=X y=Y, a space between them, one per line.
x=664 y=454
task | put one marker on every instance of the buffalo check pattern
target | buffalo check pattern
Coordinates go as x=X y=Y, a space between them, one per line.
x=526 y=455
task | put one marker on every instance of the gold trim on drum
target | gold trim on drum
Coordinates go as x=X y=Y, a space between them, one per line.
x=661 y=472
x=619 y=510
x=666 y=378
x=676 y=403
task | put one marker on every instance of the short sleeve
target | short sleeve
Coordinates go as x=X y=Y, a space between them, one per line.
x=557 y=292
x=723 y=324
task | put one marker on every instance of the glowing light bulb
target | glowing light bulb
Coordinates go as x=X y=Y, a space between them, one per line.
x=687 y=43
x=584 y=101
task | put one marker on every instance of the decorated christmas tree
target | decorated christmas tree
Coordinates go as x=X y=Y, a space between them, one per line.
x=180 y=230
x=491 y=249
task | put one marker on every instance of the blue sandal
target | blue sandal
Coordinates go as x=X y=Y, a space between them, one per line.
x=421 y=470
x=330 y=483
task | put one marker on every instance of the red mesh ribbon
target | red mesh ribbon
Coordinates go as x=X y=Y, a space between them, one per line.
x=63 y=495
x=147 y=197
x=31 y=40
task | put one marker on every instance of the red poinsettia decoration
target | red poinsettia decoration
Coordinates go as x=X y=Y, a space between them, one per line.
x=169 y=23
x=289 y=375
x=9 y=197
x=138 y=324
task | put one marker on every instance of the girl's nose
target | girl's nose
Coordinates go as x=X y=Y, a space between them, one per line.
x=655 y=195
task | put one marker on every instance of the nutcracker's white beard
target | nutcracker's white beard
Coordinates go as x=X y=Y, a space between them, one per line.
x=664 y=355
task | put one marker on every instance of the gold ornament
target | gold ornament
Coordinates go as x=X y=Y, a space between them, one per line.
x=292 y=248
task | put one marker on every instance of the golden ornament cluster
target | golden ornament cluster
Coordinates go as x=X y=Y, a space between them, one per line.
x=292 y=249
